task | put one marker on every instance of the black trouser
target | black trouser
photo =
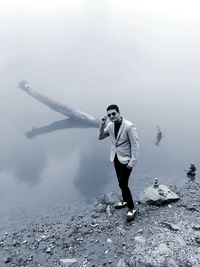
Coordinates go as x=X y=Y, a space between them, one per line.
x=123 y=174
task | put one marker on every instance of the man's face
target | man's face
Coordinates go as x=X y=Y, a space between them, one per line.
x=113 y=115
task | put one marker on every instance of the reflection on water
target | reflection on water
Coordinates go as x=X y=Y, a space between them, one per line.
x=53 y=174
x=94 y=173
x=75 y=118
x=58 y=173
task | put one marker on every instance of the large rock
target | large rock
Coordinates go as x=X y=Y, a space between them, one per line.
x=158 y=194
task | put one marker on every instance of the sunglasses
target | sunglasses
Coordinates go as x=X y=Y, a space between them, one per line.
x=113 y=114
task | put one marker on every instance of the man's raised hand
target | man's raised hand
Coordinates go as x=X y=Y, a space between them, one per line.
x=103 y=120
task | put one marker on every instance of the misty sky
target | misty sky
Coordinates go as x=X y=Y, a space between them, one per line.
x=142 y=55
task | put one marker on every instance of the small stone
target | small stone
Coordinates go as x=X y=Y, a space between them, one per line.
x=5 y=235
x=7 y=260
x=196 y=227
x=30 y=258
x=140 y=239
x=140 y=231
x=163 y=249
x=109 y=240
x=48 y=250
x=71 y=250
x=95 y=215
x=171 y=226
x=80 y=239
x=106 y=252
x=16 y=243
x=197 y=238
x=94 y=225
x=121 y=263
x=192 y=209
x=85 y=263
x=108 y=210
x=101 y=208
x=172 y=263
x=69 y=263
x=180 y=240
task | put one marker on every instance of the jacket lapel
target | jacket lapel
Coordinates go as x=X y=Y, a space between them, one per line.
x=120 y=130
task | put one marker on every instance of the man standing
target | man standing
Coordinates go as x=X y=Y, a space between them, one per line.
x=124 y=152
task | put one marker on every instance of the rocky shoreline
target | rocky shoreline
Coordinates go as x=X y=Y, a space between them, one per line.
x=167 y=235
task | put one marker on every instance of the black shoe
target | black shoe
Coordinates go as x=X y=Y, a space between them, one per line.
x=121 y=204
x=131 y=215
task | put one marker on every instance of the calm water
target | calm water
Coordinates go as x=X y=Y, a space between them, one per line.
x=89 y=55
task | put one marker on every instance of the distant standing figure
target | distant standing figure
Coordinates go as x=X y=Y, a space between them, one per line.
x=159 y=136
x=124 y=152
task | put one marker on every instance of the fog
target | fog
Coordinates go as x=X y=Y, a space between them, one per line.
x=142 y=55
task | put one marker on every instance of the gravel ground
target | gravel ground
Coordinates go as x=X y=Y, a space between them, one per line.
x=99 y=235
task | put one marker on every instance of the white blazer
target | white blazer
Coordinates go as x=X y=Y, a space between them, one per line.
x=126 y=144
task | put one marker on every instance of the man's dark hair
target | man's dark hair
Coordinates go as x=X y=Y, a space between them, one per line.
x=113 y=106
